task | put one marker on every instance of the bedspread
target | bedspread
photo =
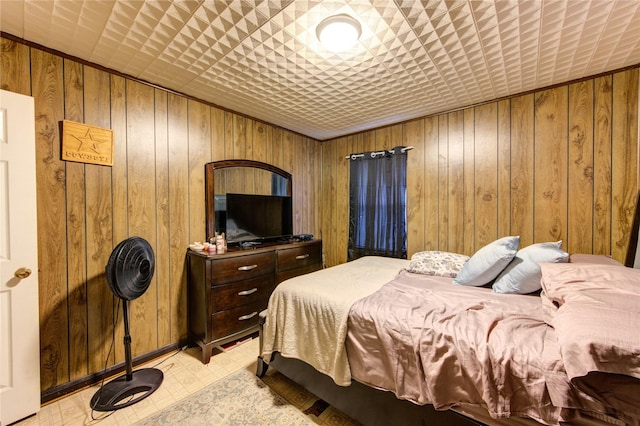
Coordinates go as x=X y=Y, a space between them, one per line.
x=431 y=341
x=307 y=315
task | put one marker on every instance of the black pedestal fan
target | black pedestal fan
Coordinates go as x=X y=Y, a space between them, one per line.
x=129 y=272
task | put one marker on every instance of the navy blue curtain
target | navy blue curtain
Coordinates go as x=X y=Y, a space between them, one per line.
x=378 y=204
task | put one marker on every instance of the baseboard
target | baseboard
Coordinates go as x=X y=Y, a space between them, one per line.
x=57 y=392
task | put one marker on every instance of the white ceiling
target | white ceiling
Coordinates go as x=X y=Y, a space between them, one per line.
x=414 y=58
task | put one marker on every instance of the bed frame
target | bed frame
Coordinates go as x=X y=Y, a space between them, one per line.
x=366 y=405
x=371 y=406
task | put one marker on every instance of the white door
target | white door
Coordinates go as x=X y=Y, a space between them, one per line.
x=19 y=323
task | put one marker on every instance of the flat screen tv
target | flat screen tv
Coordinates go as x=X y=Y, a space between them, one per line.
x=258 y=218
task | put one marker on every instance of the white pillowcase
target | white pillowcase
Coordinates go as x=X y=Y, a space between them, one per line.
x=437 y=263
x=523 y=274
x=488 y=262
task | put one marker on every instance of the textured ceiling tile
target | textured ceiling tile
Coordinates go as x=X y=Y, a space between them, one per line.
x=415 y=57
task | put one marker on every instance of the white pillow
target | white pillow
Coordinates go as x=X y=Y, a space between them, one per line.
x=488 y=262
x=523 y=274
x=438 y=263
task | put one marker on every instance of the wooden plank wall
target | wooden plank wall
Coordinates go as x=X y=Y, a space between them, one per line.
x=155 y=190
x=556 y=164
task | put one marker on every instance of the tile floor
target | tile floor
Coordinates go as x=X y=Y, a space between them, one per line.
x=184 y=374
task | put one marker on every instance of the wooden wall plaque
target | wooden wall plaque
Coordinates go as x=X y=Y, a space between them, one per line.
x=87 y=144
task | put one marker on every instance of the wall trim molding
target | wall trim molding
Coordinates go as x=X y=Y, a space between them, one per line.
x=57 y=392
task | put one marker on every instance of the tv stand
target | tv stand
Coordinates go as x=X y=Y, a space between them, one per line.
x=248 y=245
x=226 y=292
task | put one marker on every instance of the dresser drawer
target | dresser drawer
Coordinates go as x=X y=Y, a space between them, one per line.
x=290 y=273
x=225 y=292
x=241 y=293
x=237 y=319
x=299 y=257
x=226 y=270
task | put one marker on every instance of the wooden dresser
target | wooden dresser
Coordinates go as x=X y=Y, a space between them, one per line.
x=226 y=292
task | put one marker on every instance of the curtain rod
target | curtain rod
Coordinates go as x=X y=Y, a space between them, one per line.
x=374 y=154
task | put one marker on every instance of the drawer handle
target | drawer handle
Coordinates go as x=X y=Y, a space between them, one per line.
x=302 y=256
x=247 y=292
x=248 y=316
x=247 y=268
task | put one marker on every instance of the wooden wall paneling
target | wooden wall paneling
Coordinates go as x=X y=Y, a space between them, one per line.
x=328 y=203
x=328 y=197
x=261 y=141
x=317 y=189
x=486 y=174
x=624 y=159
x=309 y=192
x=602 y=173
x=277 y=158
x=234 y=149
x=293 y=159
x=163 y=260
x=310 y=195
x=522 y=167
x=142 y=206
x=288 y=157
x=455 y=192
x=307 y=188
x=469 y=213
x=76 y=227
x=119 y=186
x=269 y=144
x=443 y=182
x=149 y=189
x=239 y=137
x=397 y=135
x=504 y=168
x=299 y=198
x=199 y=154
x=316 y=185
x=550 y=164
x=97 y=110
x=47 y=90
x=338 y=232
x=369 y=141
x=179 y=238
x=342 y=170
x=228 y=136
x=394 y=136
x=383 y=138
x=302 y=170
x=217 y=134
x=431 y=181
x=15 y=63
x=249 y=132
x=358 y=143
x=260 y=137
x=580 y=169
x=414 y=136
x=288 y=153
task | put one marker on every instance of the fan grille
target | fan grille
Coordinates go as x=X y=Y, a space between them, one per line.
x=130 y=268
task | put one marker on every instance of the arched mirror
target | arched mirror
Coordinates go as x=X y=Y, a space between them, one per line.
x=248 y=201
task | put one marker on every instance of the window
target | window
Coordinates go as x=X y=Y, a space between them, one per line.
x=377 y=204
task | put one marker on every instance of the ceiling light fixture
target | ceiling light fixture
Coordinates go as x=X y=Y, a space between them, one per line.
x=338 y=32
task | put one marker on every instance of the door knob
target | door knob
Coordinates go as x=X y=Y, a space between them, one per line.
x=22 y=273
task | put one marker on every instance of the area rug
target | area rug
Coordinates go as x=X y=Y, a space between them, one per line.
x=243 y=399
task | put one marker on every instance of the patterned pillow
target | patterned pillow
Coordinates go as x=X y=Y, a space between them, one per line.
x=438 y=263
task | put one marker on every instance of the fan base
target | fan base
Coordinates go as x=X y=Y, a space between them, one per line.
x=143 y=383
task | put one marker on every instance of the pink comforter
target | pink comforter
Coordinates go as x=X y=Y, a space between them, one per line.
x=431 y=341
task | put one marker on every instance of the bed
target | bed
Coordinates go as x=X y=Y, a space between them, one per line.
x=392 y=341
